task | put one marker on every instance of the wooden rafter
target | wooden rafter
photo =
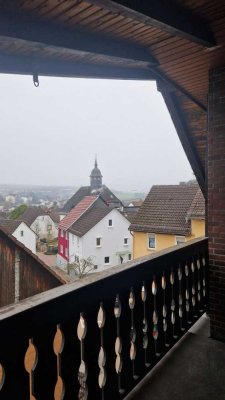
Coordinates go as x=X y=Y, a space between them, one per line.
x=17 y=64
x=163 y=14
x=169 y=82
x=77 y=42
x=184 y=136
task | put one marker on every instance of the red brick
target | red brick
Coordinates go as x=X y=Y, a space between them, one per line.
x=216 y=200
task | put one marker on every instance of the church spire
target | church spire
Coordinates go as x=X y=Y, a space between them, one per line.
x=96 y=177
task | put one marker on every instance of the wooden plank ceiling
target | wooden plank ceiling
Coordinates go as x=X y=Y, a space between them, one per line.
x=173 y=42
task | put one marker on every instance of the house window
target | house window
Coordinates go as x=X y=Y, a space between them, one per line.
x=49 y=227
x=98 y=242
x=125 y=241
x=179 y=239
x=61 y=248
x=151 y=241
x=76 y=259
x=21 y=233
x=129 y=256
x=110 y=222
x=106 y=260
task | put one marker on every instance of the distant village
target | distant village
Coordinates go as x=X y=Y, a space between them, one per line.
x=91 y=229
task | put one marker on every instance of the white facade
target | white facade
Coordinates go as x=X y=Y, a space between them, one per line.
x=11 y=199
x=26 y=236
x=45 y=227
x=107 y=243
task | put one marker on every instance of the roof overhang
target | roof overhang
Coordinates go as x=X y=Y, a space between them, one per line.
x=175 y=43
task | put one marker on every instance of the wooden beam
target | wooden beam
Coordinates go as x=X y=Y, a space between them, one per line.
x=166 y=15
x=20 y=30
x=24 y=65
x=166 y=81
x=185 y=137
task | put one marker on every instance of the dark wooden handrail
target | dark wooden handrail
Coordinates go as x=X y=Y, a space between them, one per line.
x=99 y=337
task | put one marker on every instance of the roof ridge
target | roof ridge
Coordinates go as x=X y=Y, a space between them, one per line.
x=82 y=213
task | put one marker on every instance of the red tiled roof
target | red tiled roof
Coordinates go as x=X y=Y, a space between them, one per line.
x=76 y=212
x=90 y=218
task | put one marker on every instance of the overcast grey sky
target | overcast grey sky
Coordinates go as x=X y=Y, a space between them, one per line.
x=50 y=134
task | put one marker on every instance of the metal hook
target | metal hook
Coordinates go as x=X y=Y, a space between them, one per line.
x=36 y=80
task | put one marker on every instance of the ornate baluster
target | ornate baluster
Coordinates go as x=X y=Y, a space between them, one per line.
x=102 y=355
x=58 y=345
x=132 y=332
x=173 y=305
x=180 y=298
x=145 y=323
x=193 y=298
x=118 y=343
x=204 y=281
x=187 y=294
x=164 y=310
x=2 y=376
x=155 y=316
x=30 y=362
x=82 y=373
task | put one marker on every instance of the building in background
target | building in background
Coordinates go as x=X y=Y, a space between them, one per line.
x=94 y=230
x=42 y=222
x=170 y=215
x=95 y=188
x=21 y=231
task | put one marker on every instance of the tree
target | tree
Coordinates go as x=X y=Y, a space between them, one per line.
x=15 y=214
x=80 y=268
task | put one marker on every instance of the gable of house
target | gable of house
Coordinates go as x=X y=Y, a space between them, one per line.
x=103 y=235
x=21 y=231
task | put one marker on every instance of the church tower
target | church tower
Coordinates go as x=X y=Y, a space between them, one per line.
x=96 y=177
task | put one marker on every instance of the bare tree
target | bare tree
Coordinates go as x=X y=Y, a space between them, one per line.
x=80 y=268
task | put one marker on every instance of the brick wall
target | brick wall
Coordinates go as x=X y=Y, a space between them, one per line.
x=216 y=201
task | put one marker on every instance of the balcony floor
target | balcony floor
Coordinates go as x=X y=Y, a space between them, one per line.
x=193 y=370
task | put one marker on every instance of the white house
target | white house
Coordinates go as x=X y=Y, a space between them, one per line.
x=43 y=223
x=92 y=229
x=21 y=232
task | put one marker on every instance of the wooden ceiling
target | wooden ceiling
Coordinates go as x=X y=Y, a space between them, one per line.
x=173 y=42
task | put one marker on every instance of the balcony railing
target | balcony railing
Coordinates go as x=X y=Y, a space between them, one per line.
x=98 y=338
